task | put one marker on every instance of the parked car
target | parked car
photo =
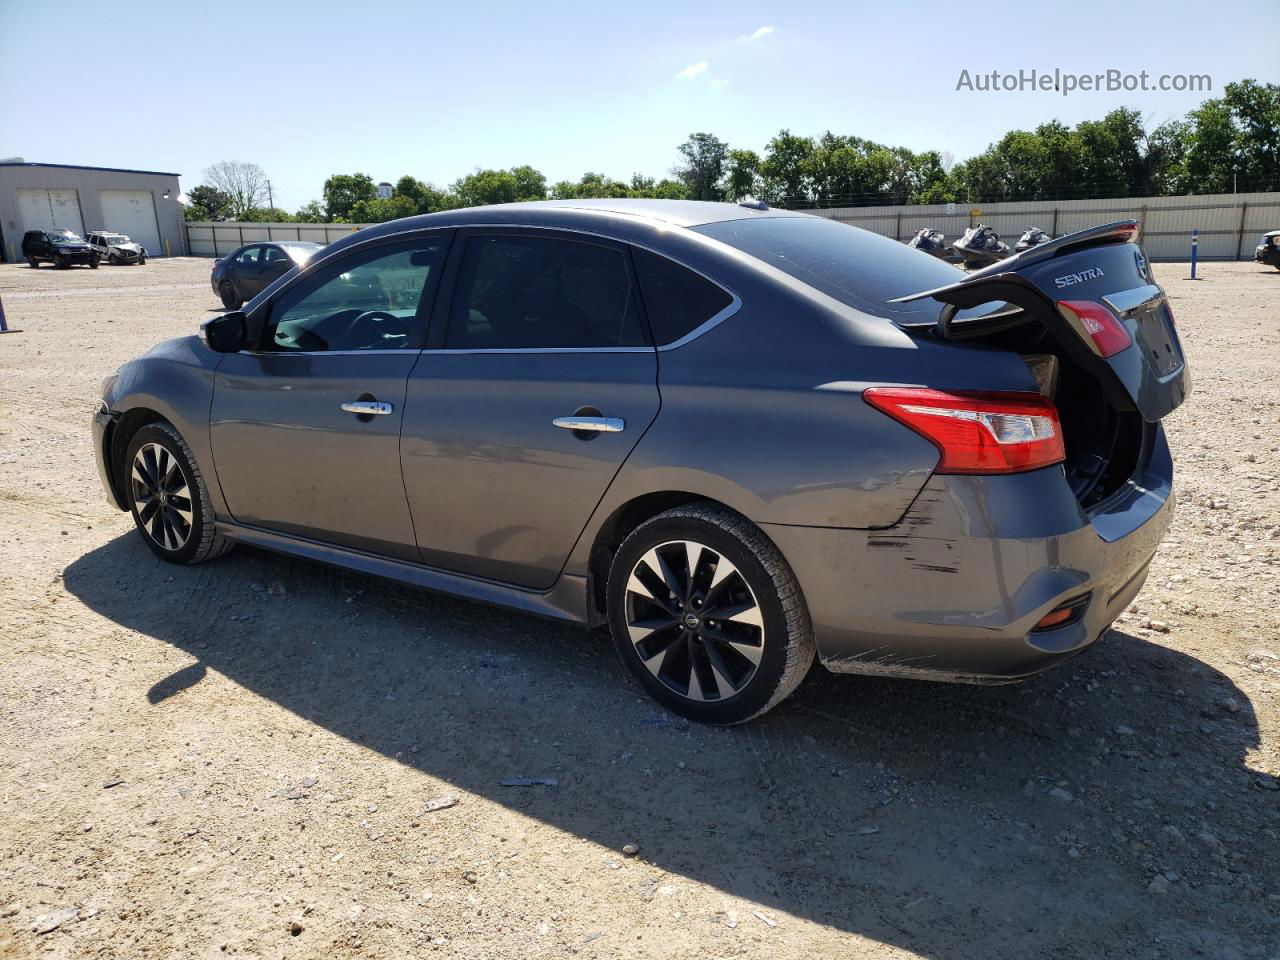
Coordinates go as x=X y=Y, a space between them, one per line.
x=62 y=248
x=1268 y=249
x=243 y=274
x=739 y=437
x=117 y=248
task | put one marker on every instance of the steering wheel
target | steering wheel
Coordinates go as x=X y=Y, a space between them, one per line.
x=373 y=325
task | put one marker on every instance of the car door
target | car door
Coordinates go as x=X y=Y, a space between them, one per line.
x=541 y=328
x=305 y=429
x=245 y=271
x=274 y=264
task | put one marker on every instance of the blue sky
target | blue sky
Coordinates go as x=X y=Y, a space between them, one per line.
x=439 y=89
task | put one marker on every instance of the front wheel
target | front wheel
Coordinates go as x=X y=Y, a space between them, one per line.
x=93 y=263
x=142 y=259
x=169 y=499
x=708 y=616
x=61 y=262
x=230 y=299
x=33 y=263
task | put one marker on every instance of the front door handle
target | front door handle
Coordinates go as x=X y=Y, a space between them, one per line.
x=591 y=424
x=367 y=408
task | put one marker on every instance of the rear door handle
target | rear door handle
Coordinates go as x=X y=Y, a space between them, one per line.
x=591 y=424
x=367 y=408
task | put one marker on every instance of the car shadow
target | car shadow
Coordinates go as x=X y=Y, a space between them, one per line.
x=951 y=821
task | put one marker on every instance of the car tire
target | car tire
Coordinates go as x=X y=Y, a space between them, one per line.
x=113 y=260
x=93 y=263
x=230 y=299
x=142 y=259
x=168 y=497
x=60 y=262
x=716 y=670
x=33 y=263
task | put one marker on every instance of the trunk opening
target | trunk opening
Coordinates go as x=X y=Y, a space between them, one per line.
x=1104 y=443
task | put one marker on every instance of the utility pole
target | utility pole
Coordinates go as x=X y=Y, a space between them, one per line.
x=270 y=201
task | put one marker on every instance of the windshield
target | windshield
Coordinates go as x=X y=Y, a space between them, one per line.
x=112 y=239
x=66 y=236
x=856 y=267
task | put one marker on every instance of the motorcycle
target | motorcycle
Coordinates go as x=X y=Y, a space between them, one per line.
x=930 y=241
x=980 y=246
x=1033 y=237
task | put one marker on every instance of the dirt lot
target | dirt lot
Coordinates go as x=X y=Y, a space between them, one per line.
x=239 y=759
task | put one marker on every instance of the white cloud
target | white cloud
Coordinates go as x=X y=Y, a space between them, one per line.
x=760 y=34
x=693 y=69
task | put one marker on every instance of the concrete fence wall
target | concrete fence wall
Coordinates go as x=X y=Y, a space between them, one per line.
x=207 y=239
x=1229 y=224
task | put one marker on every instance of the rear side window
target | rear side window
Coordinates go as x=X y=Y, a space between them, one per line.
x=518 y=292
x=678 y=300
x=855 y=266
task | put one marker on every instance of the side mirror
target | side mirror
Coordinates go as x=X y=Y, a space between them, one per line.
x=226 y=333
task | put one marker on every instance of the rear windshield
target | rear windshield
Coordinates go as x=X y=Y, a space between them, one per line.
x=855 y=266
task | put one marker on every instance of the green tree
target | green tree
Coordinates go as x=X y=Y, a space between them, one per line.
x=592 y=185
x=704 y=157
x=207 y=203
x=426 y=198
x=786 y=169
x=1111 y=154
x=342 y=191
x=1210 y=154
x=742 y=175
x=266 y=215
x=500 y=186
x=311 y=213
x=1255 y=114
x=380 y=209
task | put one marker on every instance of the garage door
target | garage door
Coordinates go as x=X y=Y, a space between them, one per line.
x=50 y=210
x=133 y=213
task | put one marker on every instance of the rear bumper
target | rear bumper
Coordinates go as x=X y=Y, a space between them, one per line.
x=954 y=590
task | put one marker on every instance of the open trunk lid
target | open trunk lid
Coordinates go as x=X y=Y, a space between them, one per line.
x=1094 y=293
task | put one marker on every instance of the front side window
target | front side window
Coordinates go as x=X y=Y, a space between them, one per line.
x=522 y=292
x=248 y=256
x=376 y=302
x=677 y=300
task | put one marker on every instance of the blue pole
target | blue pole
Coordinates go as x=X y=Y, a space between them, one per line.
x=1195 y=250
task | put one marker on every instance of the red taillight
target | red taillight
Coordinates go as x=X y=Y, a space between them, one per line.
x=1107 y=334
x=978 y=432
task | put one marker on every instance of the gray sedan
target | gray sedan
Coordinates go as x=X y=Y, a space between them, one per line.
x=742 y=439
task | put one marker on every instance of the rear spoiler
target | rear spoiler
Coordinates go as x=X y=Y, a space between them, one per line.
x=1002 y=281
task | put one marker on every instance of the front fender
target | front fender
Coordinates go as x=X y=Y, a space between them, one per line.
x=173 y=382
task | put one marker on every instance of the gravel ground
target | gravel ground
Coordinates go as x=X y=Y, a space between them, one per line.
x=256 y=757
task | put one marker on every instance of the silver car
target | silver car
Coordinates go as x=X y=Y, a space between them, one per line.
x=116 y=248
x=743 y=439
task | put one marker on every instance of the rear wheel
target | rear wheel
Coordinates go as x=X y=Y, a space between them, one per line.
x=707 y=615
x=230 y=299
x=169 y=499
